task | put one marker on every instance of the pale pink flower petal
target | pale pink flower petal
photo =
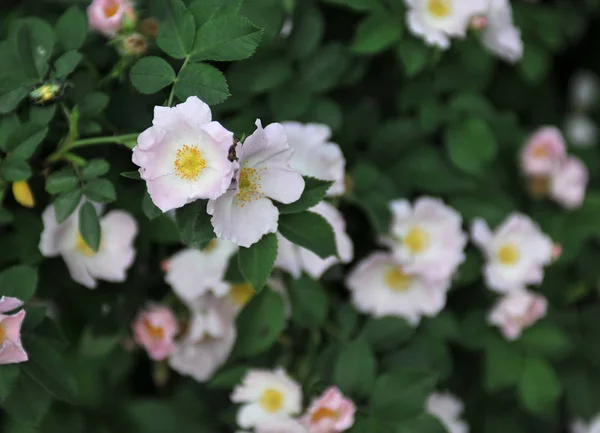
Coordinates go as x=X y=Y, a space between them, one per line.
x=500 y=35
x=517 y=311
x=330 y=413
x=106 y=16
x=11 y=349
x=155 y=329
x=447 y=408
x=8 y=304
x=568 y=183
x=543 y=151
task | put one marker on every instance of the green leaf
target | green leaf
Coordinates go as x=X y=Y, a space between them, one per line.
x=9 y=374
x=89 y=226
x=10 y=99
x=359 y=5
x=227 y=379
x=19 y=282
x=135 y=175
x=226 y=38
x=100 y=191
x=35 y=42
x=259 y=324
x=151 y=74
x=62 y=181
x=66 y=203
x=67 y=63
x=48 y=368
x=203 y=81
x=503 y=365
x=545 y=340
x=325 y=68
x=355 y=369
x=376 y=33
x=387 y=333
x=149 y=208
x=309 y=302
x=471 y=145
x=256 y=262
x=314 y=192
x=307 y=31
x=92 y=104
x=14 y=168
x=42 y=115
x=34 y=316
x=539 y=388
x=414 y=55
x=309 y=230
x=25 y=139
x=95 y=168
x=28 y=402
x=194 y=224
x=71 y=29
x=176 y=34
x=204 y=10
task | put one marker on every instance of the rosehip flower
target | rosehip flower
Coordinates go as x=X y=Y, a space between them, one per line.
x=331 y=413
x=245 y=213
x=516 y=252
x=266 y=396
x=427 y=238
x=110 y=262
x=543 y=151
x=517 y=311
x=154 y=329
x=381 y=287
x=315 y=156
x=500 y=36
x=106 y=16
x=447 y=408
x=568 y=183
x=437 y=20
x=183 y=157
x=11 y=349
x=295 y=259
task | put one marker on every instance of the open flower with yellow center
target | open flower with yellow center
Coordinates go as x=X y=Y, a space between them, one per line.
x=544 y=150
x=436 y=21
x=517 y=311
x=109 y=263
x=245 y=213
x=11 y=349
x=448 y=409
x=330 y=413
x=427 y=238
x=154 y=329
x=107 y=16
x=381 y=287
x=266 y=396
x=516 y=252
x=500 y=35
x=193 y=273
x=295 y=259
x=208 y=341
x=183 y=157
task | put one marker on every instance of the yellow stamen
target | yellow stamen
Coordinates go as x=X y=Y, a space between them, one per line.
x=416 y=240
x=241 y=293
x=82 y=247
x=397 y=280
x=23 y=194
x=271 y=400
x=440 y=8
x=155 y=332
x=189 y=162
x=322 y=413
x=249 y=186
x=2 y=334
x=508 y=254
x=111 y=9
x=211 y=245
x=540 y=151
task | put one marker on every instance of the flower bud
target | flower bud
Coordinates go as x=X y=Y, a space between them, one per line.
x=134 y=45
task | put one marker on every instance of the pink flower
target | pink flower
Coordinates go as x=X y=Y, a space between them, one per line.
x=568 y=182
x=543 y=151
x=154 y=329
x=517 y=311
x=106 y=16
x=331 y=413
x=11 y=349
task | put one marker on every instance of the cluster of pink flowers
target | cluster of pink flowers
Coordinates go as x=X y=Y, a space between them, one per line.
x=551 y=171
x=11 y=349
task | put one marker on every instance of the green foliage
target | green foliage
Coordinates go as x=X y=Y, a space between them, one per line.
x=256 y=262
x=309 y=230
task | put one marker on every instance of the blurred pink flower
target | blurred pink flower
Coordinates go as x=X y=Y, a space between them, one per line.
x=568 y=182
x=154 y=329
x=11 y=349
x=543 y=151
x=106 y=16
x=330 y=413
x=517 y=311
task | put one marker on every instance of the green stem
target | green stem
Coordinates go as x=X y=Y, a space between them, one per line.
x=172 y=94
x=117 y=139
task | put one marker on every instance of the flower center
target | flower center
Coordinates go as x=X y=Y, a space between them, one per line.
x=271 y=400
x=439 y=8
x=540 y=151
x=508 y=254
x=249 y=186
x=416 y=240
x=111 y=9
x=189 y=162
x=397 y=280
x=323 y=413
x=82 y=247
x=2 y=334
x=241 y=293
x=155 y=332
x=211 y=245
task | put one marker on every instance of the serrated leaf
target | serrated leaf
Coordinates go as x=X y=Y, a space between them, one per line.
x=10 y=99
x=14 y=169
x=67 y=63
x=257 y=261
x=309 y=302
x=95 y=168
x=176 y=34
x=35 y=42
x=539 y=387
x=71 y=28
x=62 y=181
x=66 y=203
x=8 y=378
x=149 y=208
x=89 y=226
x=376 y=33
x=314 y=192
x=25 y=139
x=29 y=401
x=100 y=191
x=203 y=81
x=309 y=230
x=19 y=282
x=151 y=74
x=471 y=145
x=355 y=369
x=194 y=224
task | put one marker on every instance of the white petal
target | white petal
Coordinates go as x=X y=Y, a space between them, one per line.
x=281 y=184
x=77 y=268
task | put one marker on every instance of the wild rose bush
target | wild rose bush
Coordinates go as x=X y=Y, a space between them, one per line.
x=303 y=216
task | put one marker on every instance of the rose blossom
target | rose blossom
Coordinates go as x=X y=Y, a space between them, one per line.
x=154 y=329
x=106 y=16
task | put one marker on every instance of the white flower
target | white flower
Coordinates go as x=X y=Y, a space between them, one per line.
x=283 y=426
x=447 y=408
x=568 y=182
x=208 y=341
x=110 y=263
x=427 y=238
x=183 y=157
x=500 y=36
x=581 y=131
x=380 y=287
x=584 y=90
x=295 y=259
x=438 y=20
x=517 y=311
x=245 y=213
x=266 y=397
x=315 y=156
x=192 y=273
x=516 y=253
x=580 y=426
